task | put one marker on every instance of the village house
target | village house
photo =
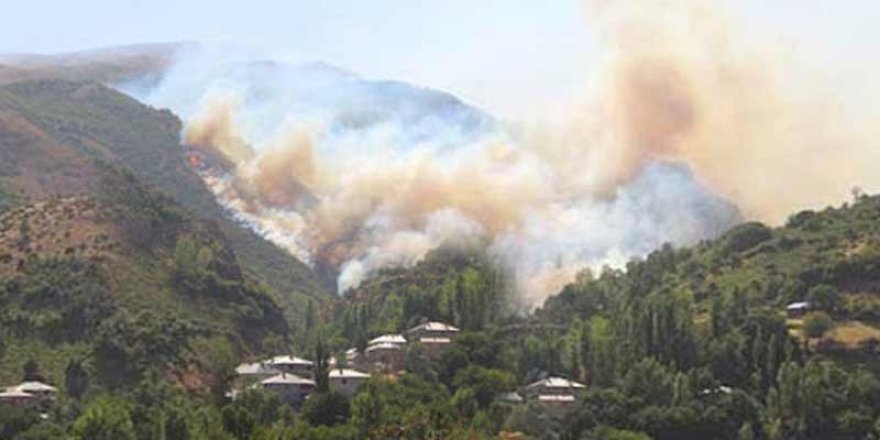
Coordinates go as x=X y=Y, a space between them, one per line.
x=354 y=359
x=558 y=395
x=390 y=338
x=37 y=389
x=435 y=337
x=28 y=392
x=797 y=310
x=290 y=388
x=509 y=399
x=252 y=373
x=431 y=329
x=383 y=353
x=385 y=356
x=346 y=381
x=293 y=365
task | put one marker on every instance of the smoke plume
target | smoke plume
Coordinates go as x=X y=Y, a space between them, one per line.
x=754 y=123
x=357 y=175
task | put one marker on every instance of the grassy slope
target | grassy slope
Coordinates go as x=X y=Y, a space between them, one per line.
x=115 y=128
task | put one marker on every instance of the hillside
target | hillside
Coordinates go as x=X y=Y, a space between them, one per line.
x=95 y=122
x=106 y=235
x=461 y=286
x=770 y=267
x=125 y=280
x=113 y=64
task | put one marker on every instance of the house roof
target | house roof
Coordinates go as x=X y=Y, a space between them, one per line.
x=346 y=373
x=510 y=397
x=35 y=387
x=290 y=360
x=798 y=305
x=723 y=389
x=433 y=326
x=391 y=338
x=15 y=394
x=556 y=382
x=384 y=346
x=256 y=368
x=287 y=379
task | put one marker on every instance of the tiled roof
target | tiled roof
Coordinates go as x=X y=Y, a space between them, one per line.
x=798 y=305
x=290 y=360
x=34 y=386
x=434 y=326
x=556 y=382
x=347 y=373
x=256 y=368
x=393 y=339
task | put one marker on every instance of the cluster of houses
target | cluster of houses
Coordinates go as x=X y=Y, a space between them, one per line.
x=292 y=378
x=28 y=393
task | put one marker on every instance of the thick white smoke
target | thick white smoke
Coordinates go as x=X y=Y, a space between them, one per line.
x=355 y=176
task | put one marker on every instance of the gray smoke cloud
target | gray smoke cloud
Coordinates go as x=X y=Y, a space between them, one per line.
x=357 y=175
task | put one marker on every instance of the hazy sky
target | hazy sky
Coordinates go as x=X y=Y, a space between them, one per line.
x=492 y=52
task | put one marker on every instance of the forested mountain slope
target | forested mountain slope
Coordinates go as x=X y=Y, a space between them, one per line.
x=112 y=250
x=768 y=267
x=94 y=121
x=123 y=279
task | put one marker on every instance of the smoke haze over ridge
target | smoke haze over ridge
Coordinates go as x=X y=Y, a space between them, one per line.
x=361 y=175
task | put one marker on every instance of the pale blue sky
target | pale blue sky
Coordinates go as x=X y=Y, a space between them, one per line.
x=485 y=50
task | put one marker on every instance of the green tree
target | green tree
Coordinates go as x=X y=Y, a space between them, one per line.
x=221 y=363
x=824 y=297
x=322 y=367
x=486 y=383
x=650 y=381
x=532 y=419
x=31 y=371
x=105 y=419
x=76 y=378
x=311 y=317
x=601 y=359
x=609 y=433
x=238 y=422
x=418 y=363
x=326 y=409
x=15 y=420
x=816 y=324
x=367 y=410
